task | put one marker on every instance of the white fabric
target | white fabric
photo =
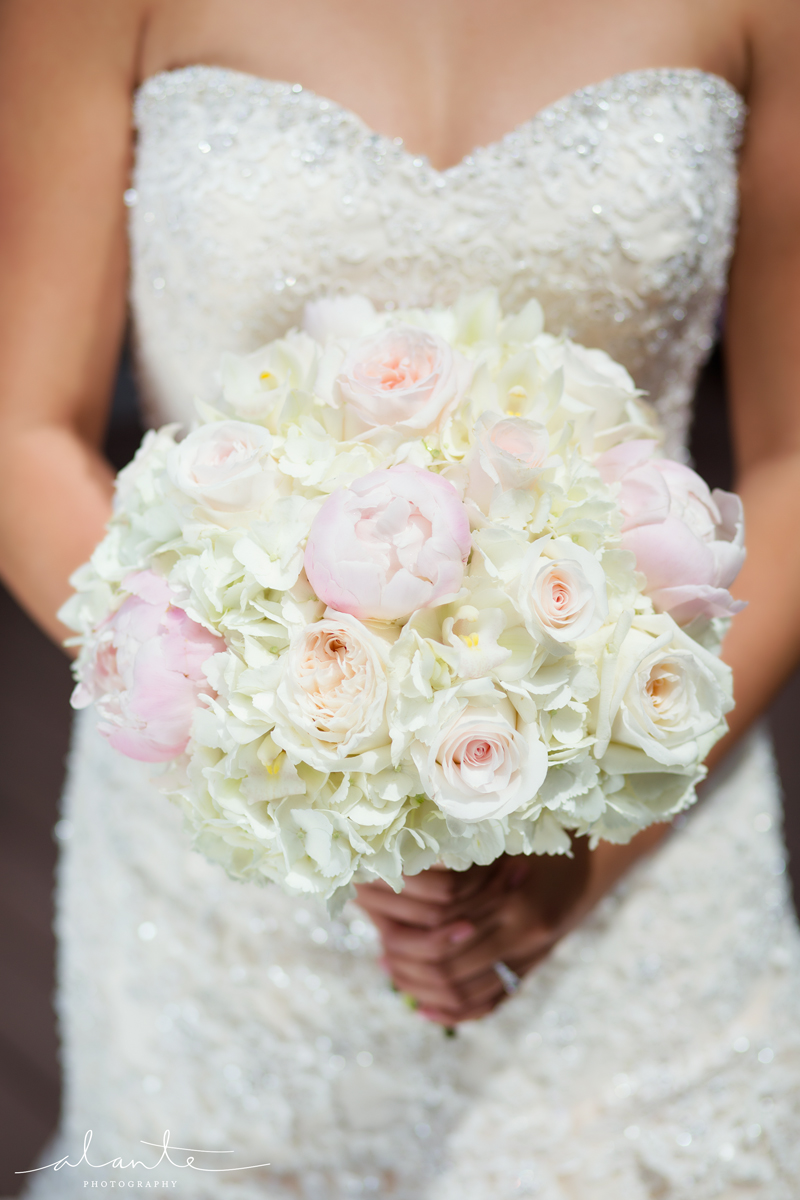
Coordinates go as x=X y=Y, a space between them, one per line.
x=656 y=1054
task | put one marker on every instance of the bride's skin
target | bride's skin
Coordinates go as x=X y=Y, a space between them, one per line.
x=445 y=75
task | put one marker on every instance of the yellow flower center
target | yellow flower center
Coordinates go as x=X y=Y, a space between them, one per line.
x=274 y=767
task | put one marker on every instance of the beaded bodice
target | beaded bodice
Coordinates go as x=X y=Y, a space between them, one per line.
x=616 y=207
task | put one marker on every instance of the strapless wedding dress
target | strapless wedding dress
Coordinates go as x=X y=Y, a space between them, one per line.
x=656 y=1054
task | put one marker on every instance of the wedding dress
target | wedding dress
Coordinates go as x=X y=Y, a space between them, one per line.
x=656 y=1053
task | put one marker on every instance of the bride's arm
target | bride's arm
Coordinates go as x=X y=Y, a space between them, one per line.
x=66 y=73
x=493 y=913
x=763 y=355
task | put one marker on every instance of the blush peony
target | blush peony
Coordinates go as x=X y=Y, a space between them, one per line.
x=688 y=541
x=146 y=673
x=396 y=540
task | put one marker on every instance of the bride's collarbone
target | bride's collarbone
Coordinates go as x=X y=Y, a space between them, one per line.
x=428 y=72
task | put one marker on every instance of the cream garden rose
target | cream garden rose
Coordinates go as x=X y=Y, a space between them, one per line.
x=405 y=378
x=330 y=703
x=663 y=697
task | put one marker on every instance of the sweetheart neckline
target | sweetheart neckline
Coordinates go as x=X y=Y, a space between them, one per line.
x=249 y=78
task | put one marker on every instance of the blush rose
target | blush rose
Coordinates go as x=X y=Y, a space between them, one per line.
x=482 y=766
x=562 y=591
x=225 y=468
x=509 y=453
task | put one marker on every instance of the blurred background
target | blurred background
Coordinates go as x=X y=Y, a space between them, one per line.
x=34 y=736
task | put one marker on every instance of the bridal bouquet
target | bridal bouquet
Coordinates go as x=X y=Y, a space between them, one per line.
x=418 y=588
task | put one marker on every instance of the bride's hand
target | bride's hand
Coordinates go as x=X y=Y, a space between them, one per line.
x=443 y=934
x=445 y=931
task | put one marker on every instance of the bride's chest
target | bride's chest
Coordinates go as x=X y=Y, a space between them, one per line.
x=616 y=207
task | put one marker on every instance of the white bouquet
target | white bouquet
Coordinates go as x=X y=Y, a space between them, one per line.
x=418 y=589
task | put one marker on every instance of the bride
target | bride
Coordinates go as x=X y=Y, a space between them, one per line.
x=653 y=1046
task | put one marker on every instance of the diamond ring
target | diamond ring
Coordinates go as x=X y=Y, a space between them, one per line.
x=509 y=979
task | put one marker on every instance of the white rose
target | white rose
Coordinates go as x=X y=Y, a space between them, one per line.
x=662 y=694
x=561 y=591
x=599 y=382
x=330 y=703
x=481 y=766
x=403 y=377
x=226 y=469
x=600 y=397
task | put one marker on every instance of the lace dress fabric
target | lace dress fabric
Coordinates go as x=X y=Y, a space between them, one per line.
x=656 y=1054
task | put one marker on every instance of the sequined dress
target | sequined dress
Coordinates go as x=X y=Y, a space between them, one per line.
x=656 y=1054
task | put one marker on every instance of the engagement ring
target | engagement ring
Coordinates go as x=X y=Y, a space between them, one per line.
x=509 y=979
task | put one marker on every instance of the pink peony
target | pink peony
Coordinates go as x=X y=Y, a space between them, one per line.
x=147 y=672
x=396 y=540
x=688 y=541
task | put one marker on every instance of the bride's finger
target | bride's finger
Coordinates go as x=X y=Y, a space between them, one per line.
x=419 y=943
x=401 y=908
x=429 y=988
x=446 y=886
x=452 y=1017
x=413 y=911
x=423 y=979
x=498 y=944
x=436 y=944
x=477 y=998
x=439 y=985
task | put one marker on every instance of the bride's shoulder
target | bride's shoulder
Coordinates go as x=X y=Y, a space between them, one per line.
x=72 y=44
